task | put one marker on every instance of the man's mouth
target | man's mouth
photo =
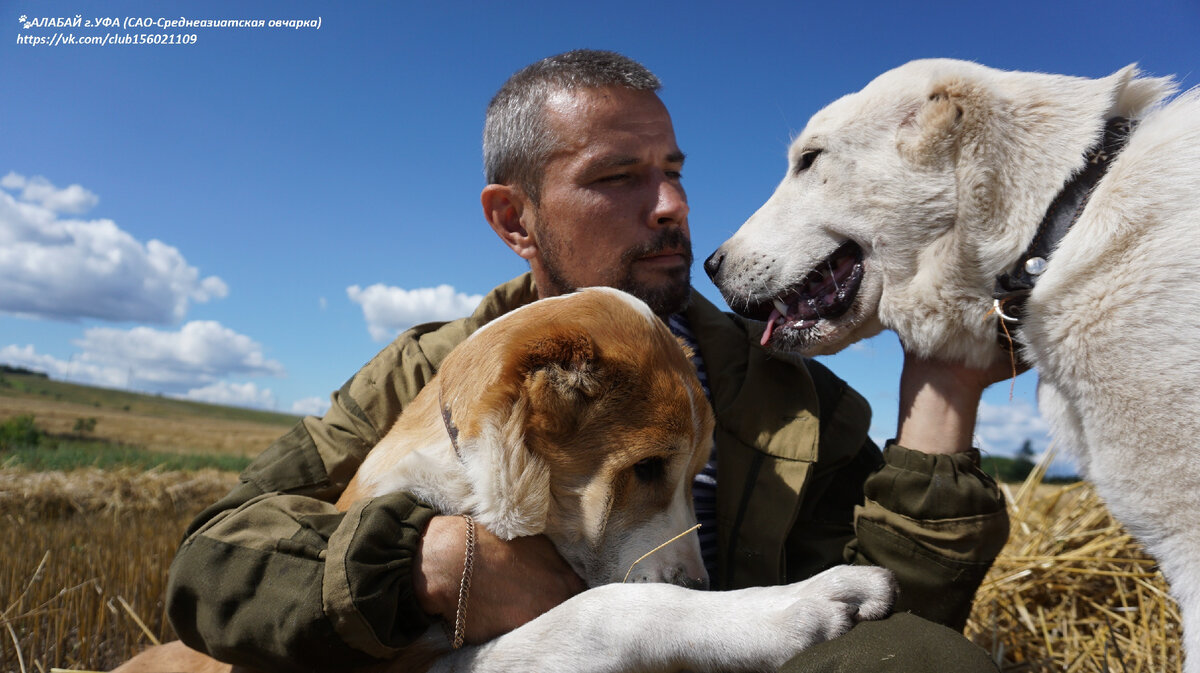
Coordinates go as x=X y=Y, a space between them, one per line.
x=666 y=257
x=826 y=292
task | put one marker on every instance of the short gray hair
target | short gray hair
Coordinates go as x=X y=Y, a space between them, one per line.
x=516 y=142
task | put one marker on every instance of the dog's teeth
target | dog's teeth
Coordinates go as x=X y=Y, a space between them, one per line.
x=780 y=306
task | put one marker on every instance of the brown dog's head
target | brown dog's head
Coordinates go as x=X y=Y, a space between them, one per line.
x=581 y=417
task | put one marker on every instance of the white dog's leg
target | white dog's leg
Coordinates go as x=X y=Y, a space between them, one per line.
x=1191 y=635
x=1179 y=559
x=661 y=627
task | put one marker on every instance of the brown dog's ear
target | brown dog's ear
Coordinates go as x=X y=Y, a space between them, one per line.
x=553 y=374
x=563 y=363
x=562 y=373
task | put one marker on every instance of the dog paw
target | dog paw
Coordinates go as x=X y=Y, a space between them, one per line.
x=827 y=605
x=866 y=591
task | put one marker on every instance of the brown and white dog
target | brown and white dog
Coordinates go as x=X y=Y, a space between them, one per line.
x=581 y=418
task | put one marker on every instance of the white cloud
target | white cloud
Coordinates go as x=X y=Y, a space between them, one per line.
x=39 y=190
x=1001 y=429
x=199 y=355
x=233 y=394
x=311 y=406
x=391 y=310
x=67 y=269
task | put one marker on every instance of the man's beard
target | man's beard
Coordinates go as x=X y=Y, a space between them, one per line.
x=664 y=299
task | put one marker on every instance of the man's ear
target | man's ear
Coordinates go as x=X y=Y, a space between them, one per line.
x=506 y=208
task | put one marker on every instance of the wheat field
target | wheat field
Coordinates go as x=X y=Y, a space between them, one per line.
x=86 y=554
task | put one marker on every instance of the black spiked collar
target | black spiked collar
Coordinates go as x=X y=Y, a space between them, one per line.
x=1013 y=287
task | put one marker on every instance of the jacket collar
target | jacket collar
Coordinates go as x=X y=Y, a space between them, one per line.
x=766 y=400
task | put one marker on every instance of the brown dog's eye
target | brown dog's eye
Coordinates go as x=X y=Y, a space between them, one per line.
x=806 y=159
x=649 y=469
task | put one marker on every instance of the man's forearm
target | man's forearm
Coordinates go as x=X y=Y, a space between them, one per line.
x=939 y=402
x=284 y=582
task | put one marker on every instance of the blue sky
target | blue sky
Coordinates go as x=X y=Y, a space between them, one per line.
x=248 y=218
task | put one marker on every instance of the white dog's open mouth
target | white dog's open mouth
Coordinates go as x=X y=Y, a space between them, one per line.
x=825 y=293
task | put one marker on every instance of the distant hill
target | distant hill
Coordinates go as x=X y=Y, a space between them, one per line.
x=17 y=382
x=152 y=422
x=9 y=369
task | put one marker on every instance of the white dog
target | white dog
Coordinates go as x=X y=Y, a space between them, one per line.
x=909 y=204
x=581 y=418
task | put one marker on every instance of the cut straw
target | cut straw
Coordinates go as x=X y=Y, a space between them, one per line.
x=1072 y=591
x=643 y=556
x=139 y=621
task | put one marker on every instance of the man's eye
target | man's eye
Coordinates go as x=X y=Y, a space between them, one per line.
x=618 y=177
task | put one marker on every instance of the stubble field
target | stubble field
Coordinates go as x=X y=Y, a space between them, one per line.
x=86 y=551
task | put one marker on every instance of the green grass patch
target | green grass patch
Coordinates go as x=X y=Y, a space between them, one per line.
x=67 y=453
x=19 y=431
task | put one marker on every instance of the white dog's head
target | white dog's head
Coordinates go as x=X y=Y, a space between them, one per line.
x=904 y=201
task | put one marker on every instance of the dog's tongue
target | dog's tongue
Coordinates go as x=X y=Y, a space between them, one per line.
x=770 y=326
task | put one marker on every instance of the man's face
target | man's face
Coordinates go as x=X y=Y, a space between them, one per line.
x=613 y=210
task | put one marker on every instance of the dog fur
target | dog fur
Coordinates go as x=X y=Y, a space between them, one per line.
x=940 y=172
x=581 y=418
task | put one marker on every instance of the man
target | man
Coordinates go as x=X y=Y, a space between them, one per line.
x=585 y=184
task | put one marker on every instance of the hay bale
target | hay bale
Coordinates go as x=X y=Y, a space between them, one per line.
x=1072 y=591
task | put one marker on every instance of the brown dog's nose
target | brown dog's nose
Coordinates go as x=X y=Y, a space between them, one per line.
x=680 y=576
x=712 y=265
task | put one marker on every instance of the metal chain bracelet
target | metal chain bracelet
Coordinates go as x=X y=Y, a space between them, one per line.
x=464 y=587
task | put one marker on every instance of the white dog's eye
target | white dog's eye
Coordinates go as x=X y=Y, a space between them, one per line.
x=806 y=159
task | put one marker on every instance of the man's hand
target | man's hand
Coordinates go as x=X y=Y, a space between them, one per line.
x=939 y=401
x=513 y=581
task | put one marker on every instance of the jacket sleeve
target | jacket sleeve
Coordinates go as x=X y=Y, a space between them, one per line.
x=938 y=522
x=274 y=578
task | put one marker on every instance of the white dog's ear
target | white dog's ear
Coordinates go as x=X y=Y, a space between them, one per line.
x=931 y=130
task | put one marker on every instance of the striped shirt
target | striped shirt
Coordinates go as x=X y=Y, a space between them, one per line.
x=704 y=487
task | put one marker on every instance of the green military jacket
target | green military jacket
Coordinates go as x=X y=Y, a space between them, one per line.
x=272 y=576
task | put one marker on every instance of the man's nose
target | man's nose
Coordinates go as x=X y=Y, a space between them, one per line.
x=672 y=206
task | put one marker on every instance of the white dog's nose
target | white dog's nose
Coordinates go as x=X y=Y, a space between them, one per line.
x=712 y=265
